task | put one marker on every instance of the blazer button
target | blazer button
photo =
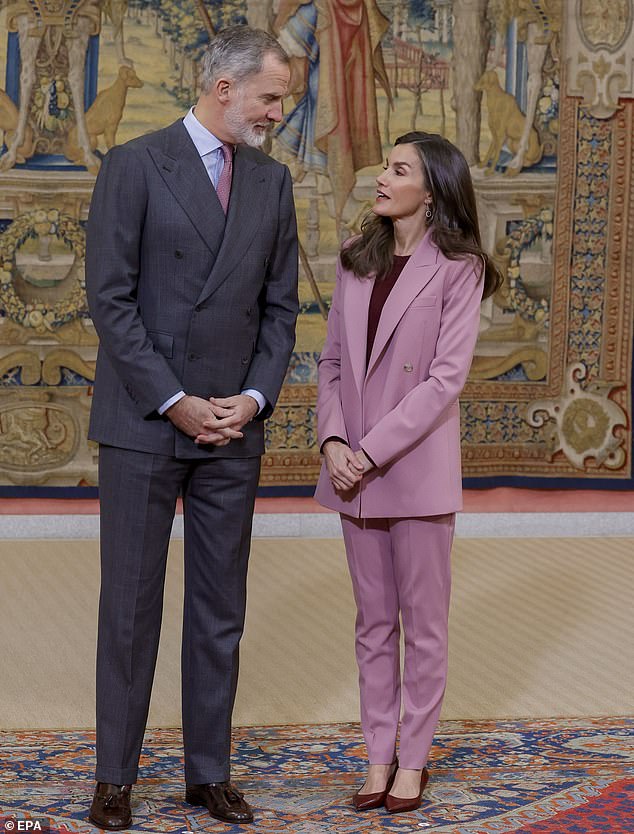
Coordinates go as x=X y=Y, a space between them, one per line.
x=192 y=357
x=245 y=360
x=198 y=308
x=178 y=253
x=408 y=367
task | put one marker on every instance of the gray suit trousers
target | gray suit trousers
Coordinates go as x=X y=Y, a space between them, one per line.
x=138 y=492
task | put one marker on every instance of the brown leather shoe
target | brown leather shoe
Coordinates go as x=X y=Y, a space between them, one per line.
x=397 y=805
x=110 y=807
x=222 y=801
x=369 y=801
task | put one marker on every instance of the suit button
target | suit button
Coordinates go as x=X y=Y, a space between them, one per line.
x=245 y=360
x=248 y=311
x=192 y=357
x=178 y=253
x=408 y=367
x=198 y=308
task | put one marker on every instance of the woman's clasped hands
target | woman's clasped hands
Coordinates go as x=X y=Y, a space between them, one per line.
x=345 y=467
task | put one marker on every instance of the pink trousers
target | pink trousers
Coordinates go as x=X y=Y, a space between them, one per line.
x=400 y=566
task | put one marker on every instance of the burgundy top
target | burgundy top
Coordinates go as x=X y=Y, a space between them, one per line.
x=380 y=292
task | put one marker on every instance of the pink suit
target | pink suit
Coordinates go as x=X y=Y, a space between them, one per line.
x=398 y=523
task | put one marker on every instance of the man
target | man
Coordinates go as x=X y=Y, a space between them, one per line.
x=192 y=285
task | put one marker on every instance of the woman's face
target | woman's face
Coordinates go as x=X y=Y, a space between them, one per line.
x=401 y=187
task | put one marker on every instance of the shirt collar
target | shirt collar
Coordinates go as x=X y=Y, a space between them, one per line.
x=203 y=139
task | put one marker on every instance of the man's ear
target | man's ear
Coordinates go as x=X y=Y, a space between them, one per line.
x=223 y=89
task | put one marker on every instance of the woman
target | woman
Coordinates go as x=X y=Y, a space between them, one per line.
x=401 y=334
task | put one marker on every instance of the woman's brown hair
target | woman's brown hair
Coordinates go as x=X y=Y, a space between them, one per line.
x=454 y=225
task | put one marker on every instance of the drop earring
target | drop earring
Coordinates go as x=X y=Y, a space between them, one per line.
x=428 y=212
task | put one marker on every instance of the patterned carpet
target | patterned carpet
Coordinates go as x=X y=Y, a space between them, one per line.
x=573 y=776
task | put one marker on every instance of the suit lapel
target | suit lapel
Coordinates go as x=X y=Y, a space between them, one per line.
x=355 y=318
x=184 y=173
x=419 y=270
x=249 y=187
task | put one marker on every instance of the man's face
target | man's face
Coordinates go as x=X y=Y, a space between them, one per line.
x=256 y=104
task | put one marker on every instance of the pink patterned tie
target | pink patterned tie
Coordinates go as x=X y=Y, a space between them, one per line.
x=223 y=189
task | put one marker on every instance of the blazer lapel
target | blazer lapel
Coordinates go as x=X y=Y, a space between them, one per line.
x=184 y=173
x=419 y=270
x=355 y=319
x=249 y=188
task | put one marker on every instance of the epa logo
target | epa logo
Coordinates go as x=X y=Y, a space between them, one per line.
x=24 y=825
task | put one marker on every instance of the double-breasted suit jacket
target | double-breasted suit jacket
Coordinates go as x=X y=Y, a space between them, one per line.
x=402 y=409
x=198 y=302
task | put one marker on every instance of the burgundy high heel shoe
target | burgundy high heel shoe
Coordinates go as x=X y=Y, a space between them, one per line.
x=397 y=805
x=369 y=801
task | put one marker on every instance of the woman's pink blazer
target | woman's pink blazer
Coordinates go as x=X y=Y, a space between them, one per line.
x=403 y=410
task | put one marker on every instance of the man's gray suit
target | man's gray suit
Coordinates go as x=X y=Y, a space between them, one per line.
x=181 y=301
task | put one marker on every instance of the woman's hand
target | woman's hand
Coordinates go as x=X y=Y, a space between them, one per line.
x=344 y=467
x=365 y=461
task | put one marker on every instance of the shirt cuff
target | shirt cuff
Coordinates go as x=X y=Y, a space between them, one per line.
x=257 y=396
x=170 y=402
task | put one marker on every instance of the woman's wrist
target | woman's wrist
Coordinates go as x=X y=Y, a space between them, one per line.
x=365 y=460
x=332 y=439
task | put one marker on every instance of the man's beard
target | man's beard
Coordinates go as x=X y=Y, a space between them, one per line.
x=241 y=128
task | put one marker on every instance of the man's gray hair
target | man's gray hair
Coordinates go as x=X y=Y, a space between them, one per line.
x=238 y=53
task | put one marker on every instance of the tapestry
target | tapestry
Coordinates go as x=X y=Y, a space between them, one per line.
x=496 y=777
x=539 y=96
